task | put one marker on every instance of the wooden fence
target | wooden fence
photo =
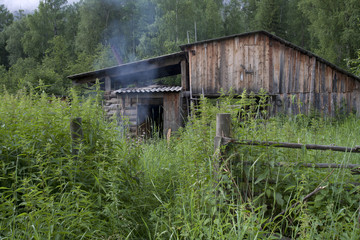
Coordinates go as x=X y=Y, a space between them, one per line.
x=222 y=138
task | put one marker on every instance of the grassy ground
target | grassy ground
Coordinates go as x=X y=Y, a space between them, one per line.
x=121 y=188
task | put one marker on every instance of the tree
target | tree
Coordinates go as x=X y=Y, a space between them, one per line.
x=210 y=24
x=297 y=25
x=14 y=33
x=6 y=19
x=44 y=24
x=334 y=27
x=234 y=17
x=270 y=16
x=109 y=22
x=354 y=64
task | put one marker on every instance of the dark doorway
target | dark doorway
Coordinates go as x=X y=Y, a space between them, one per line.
x=149 y=120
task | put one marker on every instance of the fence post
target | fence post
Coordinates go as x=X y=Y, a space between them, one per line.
x=76 y=134
x=223 y=129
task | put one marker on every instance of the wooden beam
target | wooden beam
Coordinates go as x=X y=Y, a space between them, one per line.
x=107 y=84
x=294 y=145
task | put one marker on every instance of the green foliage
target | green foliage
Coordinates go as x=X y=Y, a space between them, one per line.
x=119 y=187
x=333 y=28
x=269 y=16
x=44 y=24
x=48 y=193
x=14 y=34
x=354 y=64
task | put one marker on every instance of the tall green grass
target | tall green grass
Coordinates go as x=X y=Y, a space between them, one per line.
x=125 y=188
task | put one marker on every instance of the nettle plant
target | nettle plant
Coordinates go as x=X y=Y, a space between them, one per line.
x=251 y=174
x=117 y=187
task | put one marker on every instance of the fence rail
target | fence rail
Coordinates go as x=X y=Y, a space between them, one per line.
x=355 y=149
x=223 y=130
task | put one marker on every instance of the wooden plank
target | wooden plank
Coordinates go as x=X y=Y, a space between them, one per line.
x=269 y=64
x=251 y=70
x=261 y=60
x=323 y=78
x=324 y=103
x=194 y=70
x=312 y=82
x=210 y=68
x=295 y=88
x=107 y=84
x=302 y=100
x=200 y=68
x=184 y=75
x=307 y=75
x=237 y=66
x=335 y=105
x=216 y=66
x=328 y=79
x=265 y=72
x=230 y=54
x=301 y=72
x=171 y=106
x=295 y=146
x=247 y=66
x=205 y=71
x=257 y=63
x=242 y=66
x=190 y=72
x=343 y=82
x=334 y=83
x=290 y=71
x=348 y=102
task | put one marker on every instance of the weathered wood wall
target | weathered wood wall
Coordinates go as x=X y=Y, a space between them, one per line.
x=297 y=79
x=236 y=63
x=172 y=112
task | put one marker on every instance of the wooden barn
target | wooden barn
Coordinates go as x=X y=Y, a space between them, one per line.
x=296 y=79
x=290 y=74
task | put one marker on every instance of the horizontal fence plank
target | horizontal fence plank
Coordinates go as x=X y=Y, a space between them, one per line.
x=313 y=165
x=293 y=145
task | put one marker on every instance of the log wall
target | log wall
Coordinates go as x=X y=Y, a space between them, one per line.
x=125 y=107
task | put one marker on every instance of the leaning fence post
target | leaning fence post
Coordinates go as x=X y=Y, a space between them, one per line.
x=223 y=130
x=76 y=134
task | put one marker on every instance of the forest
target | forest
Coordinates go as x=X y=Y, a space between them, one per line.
x=106 y=184
x=60 y=39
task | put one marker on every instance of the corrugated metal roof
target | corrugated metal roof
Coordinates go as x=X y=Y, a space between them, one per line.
x=149 y=89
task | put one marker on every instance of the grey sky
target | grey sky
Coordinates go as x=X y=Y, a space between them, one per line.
x=28 y=5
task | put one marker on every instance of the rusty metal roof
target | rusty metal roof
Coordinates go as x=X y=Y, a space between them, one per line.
x=149 y=89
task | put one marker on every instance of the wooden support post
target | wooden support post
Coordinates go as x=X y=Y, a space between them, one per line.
x=76 y=134
x=107 y=84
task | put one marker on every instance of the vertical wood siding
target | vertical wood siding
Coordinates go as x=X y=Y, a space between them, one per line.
x=298 y=81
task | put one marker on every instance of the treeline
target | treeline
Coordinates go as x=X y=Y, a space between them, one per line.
x=58 y=39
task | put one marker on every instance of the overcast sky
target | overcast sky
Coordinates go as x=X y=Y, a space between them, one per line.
x=28 y=5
